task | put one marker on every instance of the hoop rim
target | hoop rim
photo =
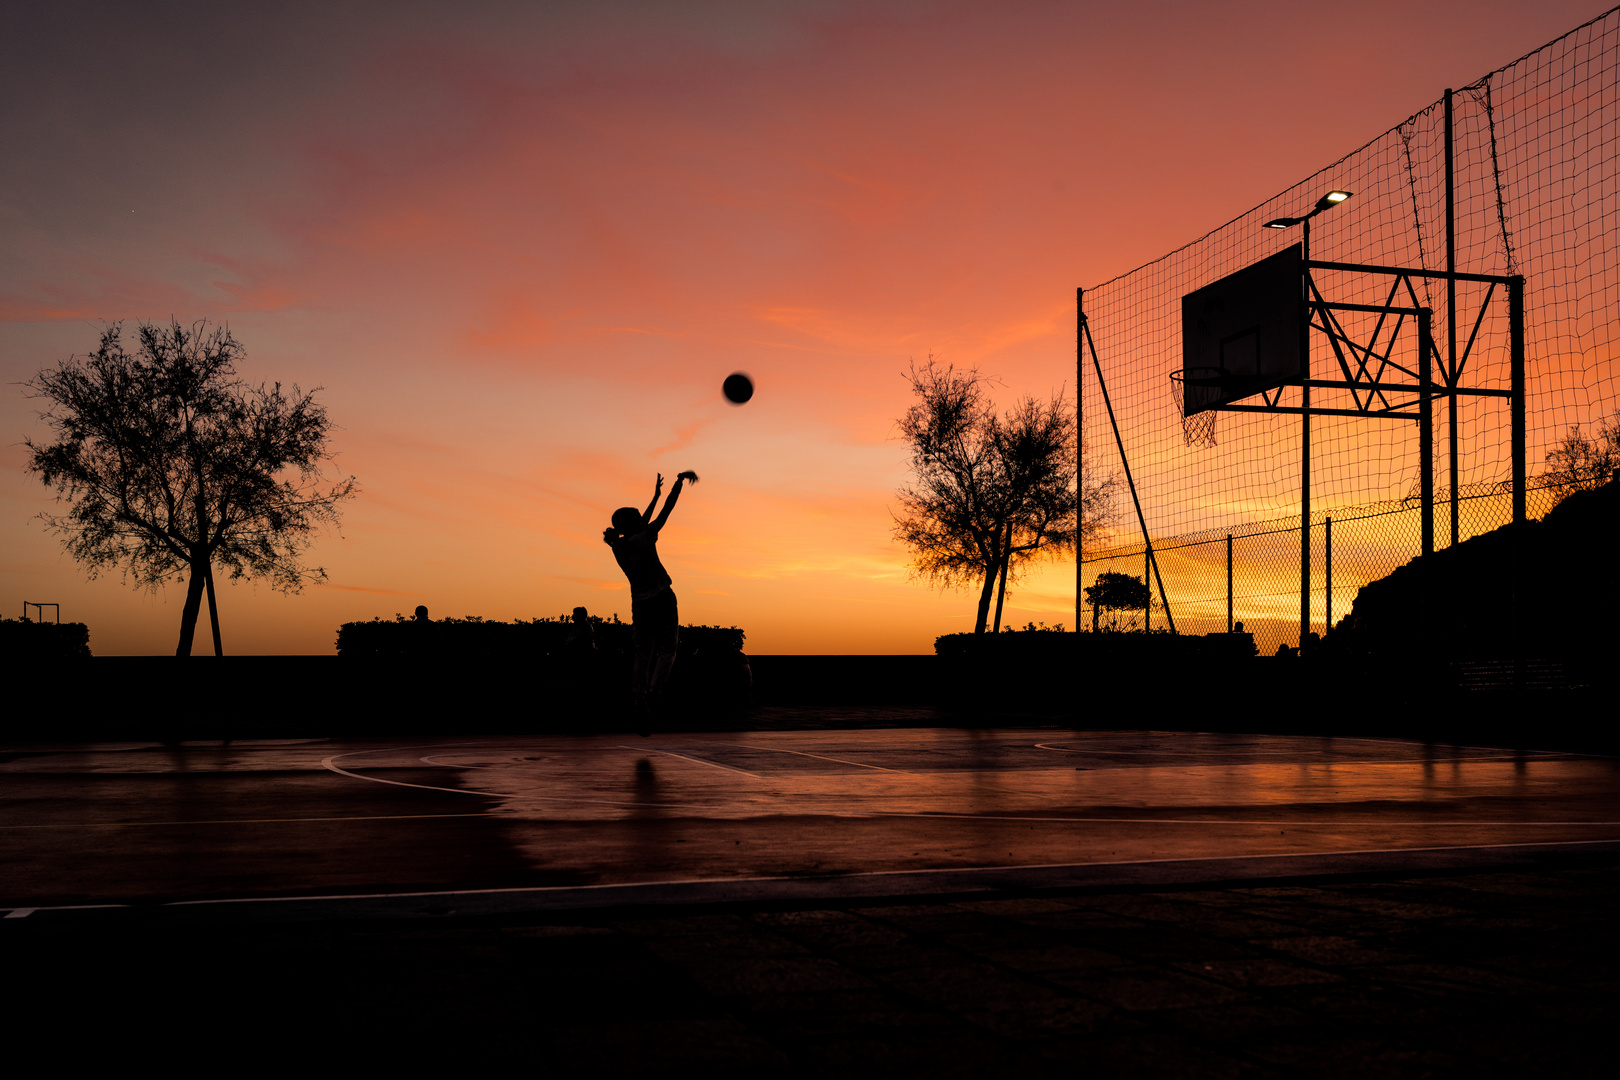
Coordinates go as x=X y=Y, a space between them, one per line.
x=1192 y=376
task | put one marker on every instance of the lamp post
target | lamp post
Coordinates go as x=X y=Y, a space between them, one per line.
x=1326 y=202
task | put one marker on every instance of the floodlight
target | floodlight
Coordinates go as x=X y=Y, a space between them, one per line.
x=1332 y=198
x=1282 y=223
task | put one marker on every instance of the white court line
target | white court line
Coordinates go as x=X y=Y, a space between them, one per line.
x=869 y=874
x=837 y=878
x=822 y=757
x=684 y=757
x=240 y=821
x=1302 y=823
x=20 y=913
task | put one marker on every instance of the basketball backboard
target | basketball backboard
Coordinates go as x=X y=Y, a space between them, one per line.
x=1241 y=335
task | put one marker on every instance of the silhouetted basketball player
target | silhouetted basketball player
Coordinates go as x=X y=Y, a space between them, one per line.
x=655 y=621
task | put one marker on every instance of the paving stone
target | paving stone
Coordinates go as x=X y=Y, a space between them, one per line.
x=1257 y=971
x=1148 y=1055
x=830 y=926
x=1333 y=951
x=659 y=1047
x=1015 y=906
x=1146 y=988
x=966 y=985
x=1048 y=1016
x=1242 y=1022
x=1061 y=957
x=1453 y=979
x=1360 y=1058
x=772 y=975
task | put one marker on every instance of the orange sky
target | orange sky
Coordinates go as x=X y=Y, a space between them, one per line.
x=520 y=246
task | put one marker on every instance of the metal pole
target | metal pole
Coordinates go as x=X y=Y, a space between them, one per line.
x=1141 y=520
x=1451 y=316
x=1305 y=450
x=1327 y=558
x=1079 y=453
x=1228 y=583
x=1426 y=428
x=1147 y=579
x=1516 y=324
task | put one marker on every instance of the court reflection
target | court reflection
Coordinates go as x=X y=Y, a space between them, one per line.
x=142 y=820
x=847 y=802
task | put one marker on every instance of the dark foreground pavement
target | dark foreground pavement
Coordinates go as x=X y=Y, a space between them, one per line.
x=1490 y=972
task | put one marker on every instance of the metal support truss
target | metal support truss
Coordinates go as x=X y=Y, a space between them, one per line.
x=1380 y=387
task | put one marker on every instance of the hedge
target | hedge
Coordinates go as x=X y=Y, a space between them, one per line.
x=24 y=640
x=473 y=638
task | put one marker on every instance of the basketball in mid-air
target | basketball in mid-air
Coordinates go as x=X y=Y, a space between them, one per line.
x=738 y=388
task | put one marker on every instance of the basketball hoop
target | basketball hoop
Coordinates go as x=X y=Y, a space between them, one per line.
x=1202 y=376
x=1198 y=429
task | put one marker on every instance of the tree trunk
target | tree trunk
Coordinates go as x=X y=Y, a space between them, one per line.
x=984 y=599
x=1001 y=591
x=188 y=615
x=213 y=607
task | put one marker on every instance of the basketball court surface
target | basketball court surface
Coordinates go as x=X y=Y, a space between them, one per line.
x=315 y=828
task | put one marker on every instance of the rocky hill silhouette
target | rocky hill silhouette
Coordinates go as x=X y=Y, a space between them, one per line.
x=1544 y=589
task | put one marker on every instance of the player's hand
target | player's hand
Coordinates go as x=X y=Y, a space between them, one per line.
x=660 y=485
x=687 y=475
x=608 y=534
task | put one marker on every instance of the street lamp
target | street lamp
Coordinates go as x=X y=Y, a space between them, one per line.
x=1326 y=202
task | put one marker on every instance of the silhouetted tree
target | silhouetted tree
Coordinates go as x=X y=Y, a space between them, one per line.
x=1580 y=463
x=170 y=464
x=1115 y=592
x=1035 y=444
x=991 y=492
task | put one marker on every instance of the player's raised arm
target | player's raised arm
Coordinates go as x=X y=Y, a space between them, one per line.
x=674 y=494
x=646 y=515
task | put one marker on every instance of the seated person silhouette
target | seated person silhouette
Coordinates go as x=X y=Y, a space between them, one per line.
x=655 y=621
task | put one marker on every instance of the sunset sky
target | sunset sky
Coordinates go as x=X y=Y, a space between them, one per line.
x=520 y=245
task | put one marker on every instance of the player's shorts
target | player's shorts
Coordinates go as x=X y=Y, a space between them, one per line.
x=656 y=622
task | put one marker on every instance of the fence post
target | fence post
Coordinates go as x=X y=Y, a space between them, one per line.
x=1328 y=559
x=1426 y=425
x=1228 y=583
x=1451 y=314
x=1147 y=579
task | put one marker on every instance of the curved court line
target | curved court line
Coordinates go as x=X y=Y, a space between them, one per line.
x=328 y=763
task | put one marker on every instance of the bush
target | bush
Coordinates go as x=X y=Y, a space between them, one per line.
x=44 y=642
x=523 y=641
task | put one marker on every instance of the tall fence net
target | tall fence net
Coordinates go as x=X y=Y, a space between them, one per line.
x=1535 y=192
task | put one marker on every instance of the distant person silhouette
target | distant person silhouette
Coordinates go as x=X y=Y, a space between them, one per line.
x=655 y=620
x=581 y=638
x=421 y=630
